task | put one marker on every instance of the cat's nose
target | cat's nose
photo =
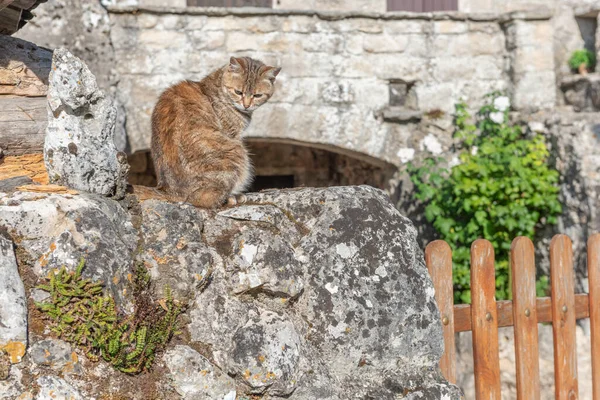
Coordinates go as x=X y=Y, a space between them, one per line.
x=246 y=101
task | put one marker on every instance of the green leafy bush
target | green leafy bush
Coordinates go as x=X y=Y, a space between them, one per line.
x=501 y=188
x=79 y=313
x=584 y=57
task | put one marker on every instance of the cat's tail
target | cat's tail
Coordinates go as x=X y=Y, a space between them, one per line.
x=147 y=193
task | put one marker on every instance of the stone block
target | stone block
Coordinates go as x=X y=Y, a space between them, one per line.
x=447 y=69
x=79 y=151
x=385 y=43
x=364 y=25
x=468 y=44
x=353 y=44
x=227 y=23
x=153 y=38
x=440 y=96
x=170 y=22
x=329 y=43
x=206 y=40
x=196 y=22
x=523 y=33
x=450 y=26
x=534 y=91
x=490 y=28
x=242 y=41
x=299 y=23
x=310 y=64
x=400 y=26
x=533 y=58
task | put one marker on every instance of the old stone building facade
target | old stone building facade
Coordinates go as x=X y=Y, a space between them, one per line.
x=362 y=90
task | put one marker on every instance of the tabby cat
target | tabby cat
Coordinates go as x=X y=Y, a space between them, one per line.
x=198 y=152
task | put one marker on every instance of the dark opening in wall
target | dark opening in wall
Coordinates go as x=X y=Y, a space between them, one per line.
x=299 y=164
x=289 y=164
x=588 y=27
x=263 y=182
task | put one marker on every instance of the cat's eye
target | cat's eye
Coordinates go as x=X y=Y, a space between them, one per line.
x=238 y=92
x=258 y=95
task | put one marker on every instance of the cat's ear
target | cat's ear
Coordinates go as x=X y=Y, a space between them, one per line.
x=235 y=65
x=270 y=73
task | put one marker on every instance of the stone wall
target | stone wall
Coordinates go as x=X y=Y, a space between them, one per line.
x=337 y=73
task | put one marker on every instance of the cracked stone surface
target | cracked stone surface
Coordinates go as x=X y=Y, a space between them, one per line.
x=194 y=376
x=58 y=230
x=79 y=149
x=53 y=388
x=13 y=304
x=298 y=294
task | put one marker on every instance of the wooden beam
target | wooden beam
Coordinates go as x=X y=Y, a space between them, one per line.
x=9 y=20
x=23 y=124
x=462 y=312
x=438 y=256
x=5 y=3
x=24 y=4
x=24 y=68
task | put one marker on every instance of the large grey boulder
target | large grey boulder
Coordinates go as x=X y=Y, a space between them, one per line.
x=58 y=230
x=298 y=294
x=79 y=149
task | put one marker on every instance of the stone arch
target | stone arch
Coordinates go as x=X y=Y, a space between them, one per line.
x=288 y=163
x=284 y=163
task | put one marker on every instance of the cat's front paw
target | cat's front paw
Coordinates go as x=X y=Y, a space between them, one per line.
x=234 y=200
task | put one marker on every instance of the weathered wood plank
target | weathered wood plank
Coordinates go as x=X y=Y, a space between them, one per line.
x=23 y=124
x=28 y=165
x=563 y=318
x=486 y=360
x=24 y=68
x=522 y=263
x=5 y=3
x=438 y=258
x=593 y=248
x=9 y=20
x=24 y=4
x=462 y=312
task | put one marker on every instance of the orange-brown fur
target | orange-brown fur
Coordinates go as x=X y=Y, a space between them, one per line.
x=197 y=147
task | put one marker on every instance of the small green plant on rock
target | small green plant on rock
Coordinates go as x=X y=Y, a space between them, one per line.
x=81 y=314
x=582 y=61
x=501 y=187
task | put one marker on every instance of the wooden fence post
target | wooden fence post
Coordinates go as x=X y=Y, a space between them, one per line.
x=484 y=321
x=593 y=260
x=438 y=258
x=522 y=264
x=563 y=318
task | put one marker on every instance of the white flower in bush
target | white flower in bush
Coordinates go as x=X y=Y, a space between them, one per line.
x=474 y=150
x=497 y=117
x=501 y=103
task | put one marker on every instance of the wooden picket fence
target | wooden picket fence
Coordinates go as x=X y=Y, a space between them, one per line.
x=484 y=315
